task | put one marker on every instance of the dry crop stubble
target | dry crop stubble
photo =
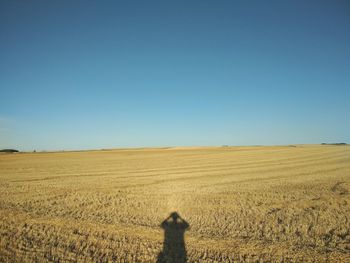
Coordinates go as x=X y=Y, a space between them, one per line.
x=242 y=204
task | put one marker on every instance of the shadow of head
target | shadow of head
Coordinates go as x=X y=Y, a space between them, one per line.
x=174 y=216
x=174 y=249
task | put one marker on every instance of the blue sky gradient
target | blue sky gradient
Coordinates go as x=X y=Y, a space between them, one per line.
x=106 y=74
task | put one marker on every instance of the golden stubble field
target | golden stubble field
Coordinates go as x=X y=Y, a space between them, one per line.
x=237 y=204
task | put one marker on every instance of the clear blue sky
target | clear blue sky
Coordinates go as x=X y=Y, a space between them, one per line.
x=104 y=74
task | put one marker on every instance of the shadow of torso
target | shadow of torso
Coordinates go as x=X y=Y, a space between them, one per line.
x=174 y=249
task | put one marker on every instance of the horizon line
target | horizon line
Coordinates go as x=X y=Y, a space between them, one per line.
x=177 y=146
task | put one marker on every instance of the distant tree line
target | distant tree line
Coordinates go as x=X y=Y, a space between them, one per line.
x=9 y=151
x=337 y=143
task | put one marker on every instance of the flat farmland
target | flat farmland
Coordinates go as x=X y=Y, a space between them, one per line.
x=228 y=204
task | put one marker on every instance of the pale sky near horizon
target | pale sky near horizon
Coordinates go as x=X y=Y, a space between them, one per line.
x=107 y=74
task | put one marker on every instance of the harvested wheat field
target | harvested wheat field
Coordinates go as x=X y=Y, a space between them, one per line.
x=229 y=204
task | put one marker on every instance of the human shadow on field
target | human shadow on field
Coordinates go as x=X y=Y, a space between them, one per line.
x=174 y=249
